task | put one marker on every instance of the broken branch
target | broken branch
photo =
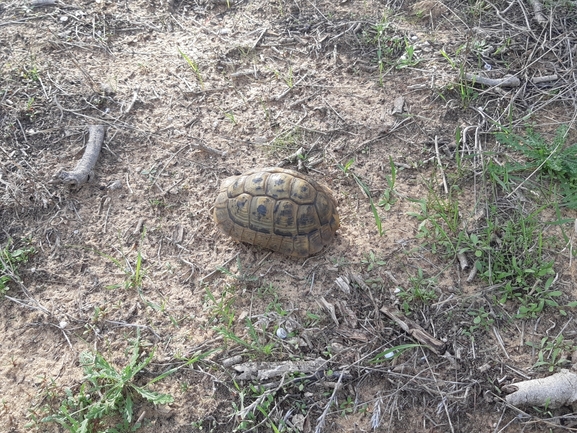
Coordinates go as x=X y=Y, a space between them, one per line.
x=554 y=391
x=81 y=172
x=507 y=81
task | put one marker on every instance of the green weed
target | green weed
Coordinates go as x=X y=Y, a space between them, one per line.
x=194 y=66
x=242 y=276
x=553 y=352
x=271 y=292
x=258 y=408
x=105 y=395
x=481 y=320
x=288 y=141
x=371 y=261
x=221 y=310
x=554 y=161
x=421 y=290
x=230 y=116
x=439 y=221
x=10 y=260
x=134 y=274
x=256 y=344
x=389 y=196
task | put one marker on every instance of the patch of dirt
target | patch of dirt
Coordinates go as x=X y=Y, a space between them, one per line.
x=252 y=81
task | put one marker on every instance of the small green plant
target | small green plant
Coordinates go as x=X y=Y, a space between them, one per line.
x=466 y=91
x=230 y=116
x=371 y=260
x=421 y=290
x=31 y=74
x=157 y=203
x=553 y=352
x=194 y=66
x=289 y=78
x=553 y=160
x=388 y=198
x=481 y=319
x=10 y=260
x=346 y=169
x=241 y=275
x=106 y=394
x=348 y=406
x=256 y=344
x=257 y=407
x=439 y=222
x=221 y=309
x=451 y=61
x=271 y=292
x=134 y=275
x=288 y=142
x=408 y=58
x=539 y=297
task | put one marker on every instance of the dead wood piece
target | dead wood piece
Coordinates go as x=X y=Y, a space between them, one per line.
x=554 y=391
x=544 y=79
x=462 y=260
x=416 y=331
x=506 y=81
x=42 y=3
x=267 y=370
x=538 y=10
x=398 y=105
x=81 y=172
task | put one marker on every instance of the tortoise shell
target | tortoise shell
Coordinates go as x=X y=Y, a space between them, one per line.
x=278 y=209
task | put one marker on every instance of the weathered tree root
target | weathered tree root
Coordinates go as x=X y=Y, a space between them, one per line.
x=553 y=392
x=83 y=169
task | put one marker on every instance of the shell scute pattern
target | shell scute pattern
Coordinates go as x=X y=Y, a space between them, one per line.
x=278 y=209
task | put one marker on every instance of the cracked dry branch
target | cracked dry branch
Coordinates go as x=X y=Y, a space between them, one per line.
x=84 y=167
x=415 y=331
x=559 y=389
x=506 y=81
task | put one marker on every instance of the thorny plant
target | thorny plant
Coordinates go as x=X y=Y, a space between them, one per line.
x=106 y=394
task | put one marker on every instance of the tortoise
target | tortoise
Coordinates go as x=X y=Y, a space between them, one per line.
x=279 y=209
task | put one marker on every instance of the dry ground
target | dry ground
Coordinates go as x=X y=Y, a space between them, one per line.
x=193 y=92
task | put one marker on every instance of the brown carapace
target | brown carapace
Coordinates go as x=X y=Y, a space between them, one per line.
x=278 y=209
